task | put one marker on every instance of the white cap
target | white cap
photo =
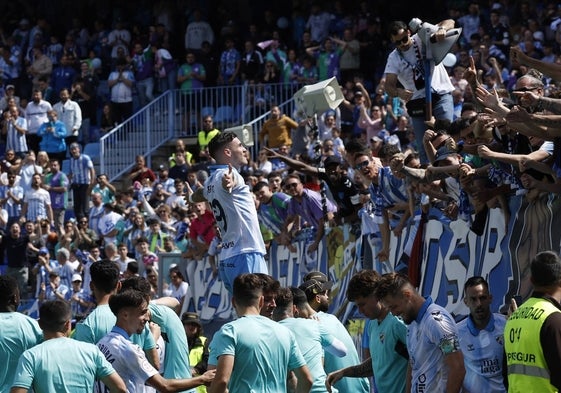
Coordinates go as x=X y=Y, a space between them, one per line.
x=76 y=277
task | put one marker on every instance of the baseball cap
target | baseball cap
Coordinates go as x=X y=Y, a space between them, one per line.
x=314 y=287
x=331 y=160
x=8 y=87
x=43 y=250
x=443 y=153
x=316 y=275
x=191 y=317
x=76 y=277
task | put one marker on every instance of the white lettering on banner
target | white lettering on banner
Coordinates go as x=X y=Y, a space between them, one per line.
x=457 y=262
x=287 y=264
x=206 y=294
x=451 y=254
x=432 y=252
x=470 y=255
x=396 y=250
x=492 y=255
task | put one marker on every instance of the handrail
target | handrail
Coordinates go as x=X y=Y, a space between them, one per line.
x=141 y=134
x=176 y=113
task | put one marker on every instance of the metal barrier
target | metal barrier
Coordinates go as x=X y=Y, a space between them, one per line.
x=177 y=114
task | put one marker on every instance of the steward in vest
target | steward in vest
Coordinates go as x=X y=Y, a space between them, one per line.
x=180 y=149
x=198 y=345
x=533 y=332
x=205 y=136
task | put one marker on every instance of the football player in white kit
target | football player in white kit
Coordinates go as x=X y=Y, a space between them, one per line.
x=232 y=203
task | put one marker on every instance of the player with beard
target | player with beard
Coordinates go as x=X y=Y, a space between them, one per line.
x=436 y=363
x=388 y=357
x=481 y=340
x=316 y=286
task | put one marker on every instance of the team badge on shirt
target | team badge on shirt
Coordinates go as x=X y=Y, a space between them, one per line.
x=500 y=340
x=436 y=316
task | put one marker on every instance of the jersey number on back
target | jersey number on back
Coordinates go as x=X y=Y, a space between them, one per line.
x=219 y=215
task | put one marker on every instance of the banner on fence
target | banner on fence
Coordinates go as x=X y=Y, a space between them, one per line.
x=450 y=254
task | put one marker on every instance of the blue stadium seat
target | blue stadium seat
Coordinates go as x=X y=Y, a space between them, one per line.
x=92 y=150
x=224 y=114
x=197 y=118
x=65 y=166
x=206 y=111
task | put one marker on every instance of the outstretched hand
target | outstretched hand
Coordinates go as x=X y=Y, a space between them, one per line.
x=517 y=56
x=333 y=378
x=271 y=152
x=518 y=115
x=527 y=98
x=489 y=99
x=208 y=377
x=470 y=74
x=188 y=189
x=397 y=162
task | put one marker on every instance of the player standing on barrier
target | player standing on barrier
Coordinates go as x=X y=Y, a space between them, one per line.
x=232 y=203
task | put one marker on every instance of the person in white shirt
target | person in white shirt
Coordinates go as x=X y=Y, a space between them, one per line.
x=234 y=209
x=436 y=362
x=131 y=309
x=109 y=224
x=27 y=170
x=122 y=259
x=178 y=285
x=36 y=114
x=121 y=82
x=36 y=202
x=70 y=114
x=405 y=66
x=481 y=340
x=15 y=130
x=119 y=37
x=197 y=32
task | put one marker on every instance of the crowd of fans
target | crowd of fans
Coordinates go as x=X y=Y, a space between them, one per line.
x=53 y=94
x=359 y=164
